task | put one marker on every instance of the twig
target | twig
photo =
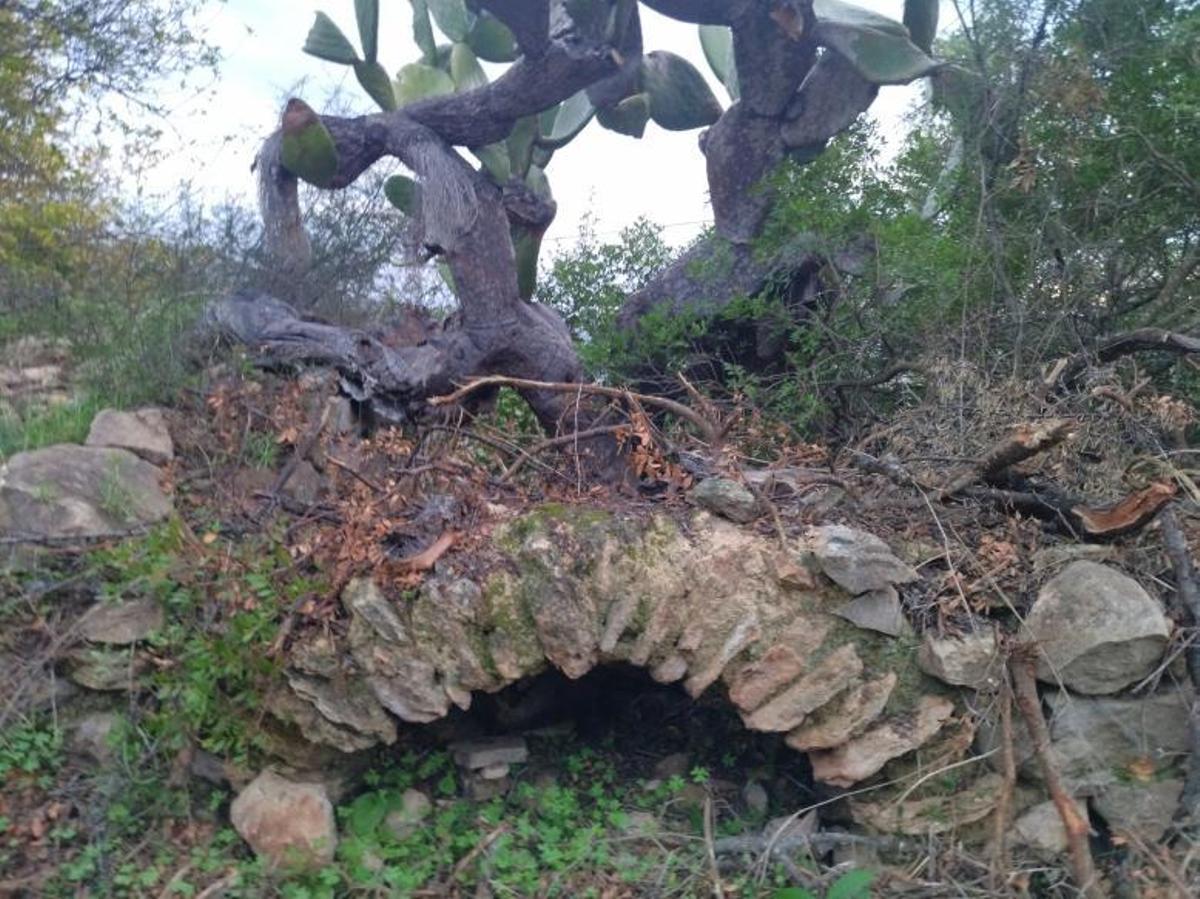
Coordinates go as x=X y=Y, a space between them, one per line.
x=1066 y=370
x=480 y=847
x=1001 y=858
x=552 y=442
x=710 y=431
x=1023 y=665
x=718 y=890
x=355 y=473
x=816 y=842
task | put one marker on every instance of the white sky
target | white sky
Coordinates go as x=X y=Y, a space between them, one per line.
x=215 y=128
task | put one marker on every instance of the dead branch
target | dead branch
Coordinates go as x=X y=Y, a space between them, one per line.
x=1001 y=857
x=710 y=430
x=1066 y=370
x=1026 y=440
x=892 y=371
x=1022 y=666
x=552 y=442
x=818 y=843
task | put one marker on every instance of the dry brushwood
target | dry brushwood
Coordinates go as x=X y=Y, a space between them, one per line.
x=710 y=431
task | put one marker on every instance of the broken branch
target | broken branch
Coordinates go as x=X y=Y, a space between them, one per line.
x=1026 y=440
x=1022 y=666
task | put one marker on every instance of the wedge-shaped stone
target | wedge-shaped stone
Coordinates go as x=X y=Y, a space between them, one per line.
x=830 y=676
x=865 y=755
x=757 y=681
x=845 y=717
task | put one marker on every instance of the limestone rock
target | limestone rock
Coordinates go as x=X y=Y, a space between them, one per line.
x=121 y=623
x=845 y=717
x=79 y=491
x=855 y=560
x=342 y=713
x=1143 y=809
x=828 y=678
x=938 y=813
x=1041 y=829
x=289 y=825
x=865 y=755
x=726 y=498
x=415 y=807
x=754 y=795
x=143 y=432
x=1095 y=740
x=676 y=764
x=92 y=736
x=970 y=660
x=397 y=671
x=477 y=754
x=876 y=610
x=1097 y=629
x=104 y=670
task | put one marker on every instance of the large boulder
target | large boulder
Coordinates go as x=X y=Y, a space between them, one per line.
x=1096 y=629
x=79 y=491
x=143 y=432
x=288 y=825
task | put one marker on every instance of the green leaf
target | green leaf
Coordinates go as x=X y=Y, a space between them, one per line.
x=854 y=884
x=491 y=40
x=540 y=157
x=417 y=81
x=367 y=13
x=836 y=12
x=423 y=31
x=877 y=47
x=717 y=43
x=404 y=193
x=921 y=20
x=376 y=83
x=628 y=117
x=496 y=160
x=680 y=98
x=326 y=41
x=452 y=17
x=465 y=68
x=570 y=117
x=792 y=893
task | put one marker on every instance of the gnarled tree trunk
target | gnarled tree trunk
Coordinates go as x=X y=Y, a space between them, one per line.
x=794 y=97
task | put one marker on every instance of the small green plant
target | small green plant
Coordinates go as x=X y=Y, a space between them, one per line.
x=31 y=749
x=261 y=449
x=115 y=497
